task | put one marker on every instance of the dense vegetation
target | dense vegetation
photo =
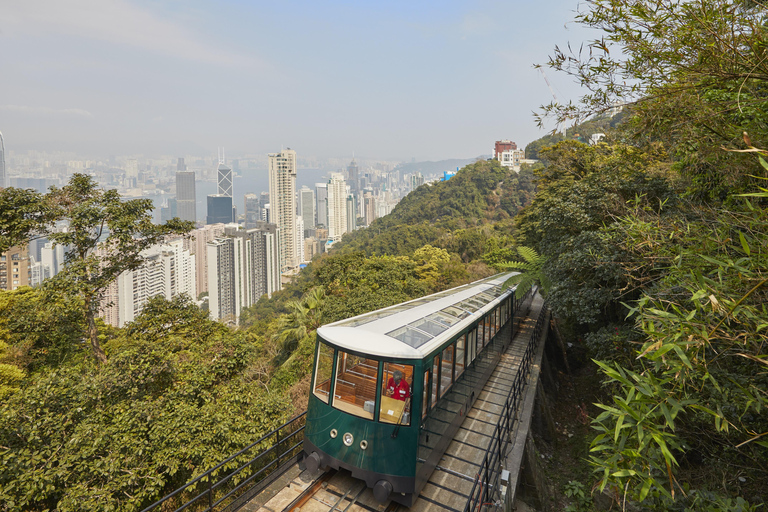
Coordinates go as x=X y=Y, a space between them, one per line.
x=656 y=244
x=172 y=393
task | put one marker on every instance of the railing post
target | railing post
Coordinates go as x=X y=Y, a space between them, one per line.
x=277 y=445
x=210 y=493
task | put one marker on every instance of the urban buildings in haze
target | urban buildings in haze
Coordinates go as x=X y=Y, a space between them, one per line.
x=186 y=199
x=282 y=200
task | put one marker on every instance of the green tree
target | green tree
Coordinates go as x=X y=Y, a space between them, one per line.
x=21 y=216
x=304 y=317
x=692 y=74
x=532 y=272
x=105 y=236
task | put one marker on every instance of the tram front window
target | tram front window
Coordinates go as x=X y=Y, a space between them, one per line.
x=323 y=368
x=396 y=389
x=354 y=389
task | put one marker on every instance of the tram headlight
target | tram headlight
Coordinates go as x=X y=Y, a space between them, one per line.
x=348 y=439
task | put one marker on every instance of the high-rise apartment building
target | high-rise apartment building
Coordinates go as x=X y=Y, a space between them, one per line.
x=222 y=283
x=337 y=206
x=307 y=206
x=242 y=266
x=168 y=270
x=369 y=208
x=299 y=242
x=321 y=201
x=351 y=213
x=3 y=172
x=202 y=236
x=14 y=268
x=282 y=199
x=186 y=199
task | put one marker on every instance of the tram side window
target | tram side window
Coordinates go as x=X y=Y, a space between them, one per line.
x=447 y=374
x=354 y=389
x=435 y=379
x=396 y=389
x=323 y=368
x=425 y=396
x=461 y=344
x=486 y=330
x=472 y=344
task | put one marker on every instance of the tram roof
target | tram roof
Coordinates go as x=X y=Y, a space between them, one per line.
x=413 y=329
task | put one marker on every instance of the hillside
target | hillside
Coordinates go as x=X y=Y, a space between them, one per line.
x=461 y=214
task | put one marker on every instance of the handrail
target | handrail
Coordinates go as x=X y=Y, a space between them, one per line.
x=260 y=466
x=487 y=479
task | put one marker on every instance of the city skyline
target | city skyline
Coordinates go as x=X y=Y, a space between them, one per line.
x=427 y=81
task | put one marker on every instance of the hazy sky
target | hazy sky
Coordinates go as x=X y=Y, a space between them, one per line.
x=383 y=79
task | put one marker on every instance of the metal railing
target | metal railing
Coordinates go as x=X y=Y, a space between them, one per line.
x=487 y=481
x=231 y=483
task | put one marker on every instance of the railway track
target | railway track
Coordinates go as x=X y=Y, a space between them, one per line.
x=334 y=491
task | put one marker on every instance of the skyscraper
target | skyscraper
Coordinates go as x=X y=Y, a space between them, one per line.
x=225 y=179
x=351 y=213
x=219 y=209
x=321 y=198
x=252 y=210
x=307 y=206
x=337 y=206
x=3 y=173
x=186 y=199
x=282 y=199
x=353 y=177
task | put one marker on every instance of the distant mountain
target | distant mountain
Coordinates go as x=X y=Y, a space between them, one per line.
x=437 y=167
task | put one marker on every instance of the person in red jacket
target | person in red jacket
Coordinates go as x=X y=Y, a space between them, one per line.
x=397 y=387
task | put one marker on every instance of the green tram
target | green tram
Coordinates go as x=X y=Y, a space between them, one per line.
x=390 y=388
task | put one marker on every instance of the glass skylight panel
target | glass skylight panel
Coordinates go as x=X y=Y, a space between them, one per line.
x=466 y=305
x=455 y=311
x=442 y=318
x=484 y=296
x=429 y=326
x=354 y=322
x=410 y=336
x=479 y=304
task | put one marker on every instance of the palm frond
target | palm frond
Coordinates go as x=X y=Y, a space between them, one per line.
x=529 y=255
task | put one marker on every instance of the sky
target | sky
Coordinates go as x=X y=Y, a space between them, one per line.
x=394 y=79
